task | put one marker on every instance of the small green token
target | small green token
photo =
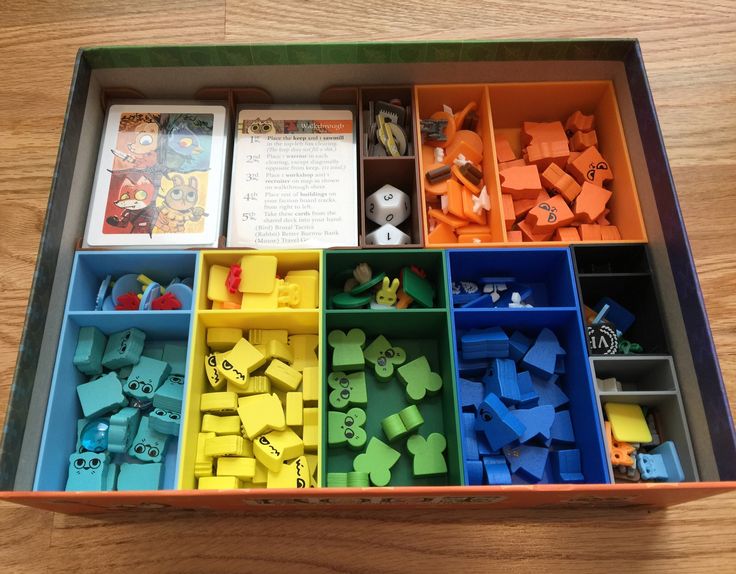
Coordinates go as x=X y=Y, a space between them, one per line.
x=411 y=417
x=357 y=479
x=384 y=357
x=419 y=379
x=402 y=423
x=337 y=479
x=348 y=389
x=428 y=457
x=363 y=287
x=377 y=461
x=418 y=288
x=348 y=301
x=347 y=348
x=393 y=427
x=346 y=428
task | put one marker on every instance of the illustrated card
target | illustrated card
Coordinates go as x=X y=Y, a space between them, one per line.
x=159 y=179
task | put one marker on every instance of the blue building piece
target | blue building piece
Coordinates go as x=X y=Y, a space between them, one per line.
x=528 y=396
x=519 y=345
x=498 y=423
x=566 y=466
x=474 y=468
x=617 y=314
x=538 y=422
x=500 y=379
x=145 y=378
x=123 y=348
x=527 y=461
x=541 y=359
x=470 y=445
x=141 y=476
x=484 y=447
x=91 y=344
x=496 y=469
x=88 y=472
x=485 y=344
x=169 y=396
x=471 y=394
x=175 y=354
x=549 y=393
x=668 y=452
x=475 y=368
x=123 y=427
x=101 y=395
x=562 y=432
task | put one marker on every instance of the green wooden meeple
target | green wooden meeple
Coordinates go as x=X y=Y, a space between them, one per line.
x=419 y=379
x=347 y=354
x=384 y=357
x=377 y=461
x=358 y=479
x=429 y=459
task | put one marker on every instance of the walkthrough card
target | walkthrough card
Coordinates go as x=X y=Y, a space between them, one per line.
x=294 y=179
x=160 y=177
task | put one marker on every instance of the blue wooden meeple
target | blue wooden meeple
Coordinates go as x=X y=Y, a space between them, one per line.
x=500 y=379
x=496 y=469
x=123 y=427
x=170 y=395
x=538 y=422
x=566 y=466
x=498 y=423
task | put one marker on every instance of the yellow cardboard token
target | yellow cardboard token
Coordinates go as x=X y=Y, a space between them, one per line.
x=226 y=445
x=304 y=348
x=258 y=273
x=256 y=384
x=310 y=432
x=273 y=448
x=238 y=466
x=261 y=413
x=221 y=425
x=218 y=483
x=242 y=359
x=264 y=336
x=221 y=402
x=216 y=289
x=283 y=376
x=293 y=475
x=308 y=281
x=202 y=461
x=627 y=422
x=217 y=382
x=294 y=409
x=310 y=385
x=220 y=339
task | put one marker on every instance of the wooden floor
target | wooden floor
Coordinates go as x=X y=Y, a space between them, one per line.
x=690 y=52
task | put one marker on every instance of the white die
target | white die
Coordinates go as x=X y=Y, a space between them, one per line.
x=387 y=235
x=388 y=205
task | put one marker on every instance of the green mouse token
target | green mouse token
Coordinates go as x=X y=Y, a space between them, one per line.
x=363 y=287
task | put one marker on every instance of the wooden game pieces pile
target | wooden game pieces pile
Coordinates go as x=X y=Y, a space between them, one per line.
x=131 y=407
x=515 y=426
x=260 y=419
x=349 y=400
x=557 y=189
